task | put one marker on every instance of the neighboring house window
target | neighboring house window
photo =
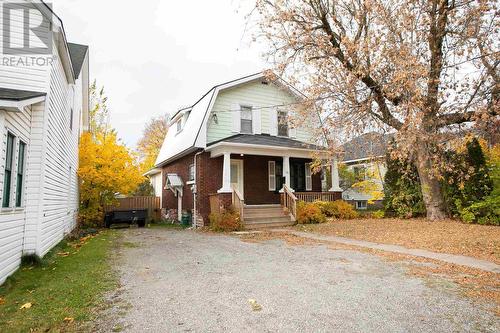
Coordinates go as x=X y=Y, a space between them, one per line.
x=71 y=119
x=191 y=172
x=246 y=120
x=361 y=204
x=8 y=171
x=20 y=173
x=272 y=175
x=179 y=125
x=282 y=123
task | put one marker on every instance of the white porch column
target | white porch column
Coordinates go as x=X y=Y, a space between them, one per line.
x=335 y=176
x=286 y=170
x=226 y=174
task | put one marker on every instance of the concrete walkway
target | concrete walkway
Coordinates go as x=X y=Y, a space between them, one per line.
x=449 y=258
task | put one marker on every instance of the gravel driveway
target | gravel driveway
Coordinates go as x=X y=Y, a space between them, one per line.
x=185 y=281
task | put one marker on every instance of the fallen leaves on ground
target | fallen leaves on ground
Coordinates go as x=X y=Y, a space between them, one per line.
x=26 y=306
x=264 y=236
x=255 y=306
x=449 y=236
x=63 y=254
x=2 y=301
x=69 y=320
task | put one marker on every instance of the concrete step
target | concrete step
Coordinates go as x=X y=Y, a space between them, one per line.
x=253 y=226
x=277 y=213
x=277 y=219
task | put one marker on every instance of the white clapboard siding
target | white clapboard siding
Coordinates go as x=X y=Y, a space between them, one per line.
x=265 y=97
x=21 y=76
x=12 y=221
x=61 y=163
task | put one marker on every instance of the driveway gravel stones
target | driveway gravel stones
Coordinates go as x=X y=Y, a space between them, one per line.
x=186 y=281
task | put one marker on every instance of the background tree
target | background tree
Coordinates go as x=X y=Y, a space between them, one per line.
x=419 y=68
x=151 y=141
x=106 y=166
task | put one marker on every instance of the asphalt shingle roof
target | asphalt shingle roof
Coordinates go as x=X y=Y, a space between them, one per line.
x=267 y=140
x=77 y=53
x=18 y=95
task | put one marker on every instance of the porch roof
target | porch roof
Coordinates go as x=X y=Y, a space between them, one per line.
x=267 y=145
x=268 y=140
x=16 y=99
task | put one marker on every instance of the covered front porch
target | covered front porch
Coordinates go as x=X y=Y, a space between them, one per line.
x=263 y=176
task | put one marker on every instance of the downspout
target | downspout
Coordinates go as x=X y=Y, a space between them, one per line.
x=195 y=192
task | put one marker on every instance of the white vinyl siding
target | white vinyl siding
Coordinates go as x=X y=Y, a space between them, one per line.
x=261 y=97
x=21 y=76
x=49 y=193
x=272 y=175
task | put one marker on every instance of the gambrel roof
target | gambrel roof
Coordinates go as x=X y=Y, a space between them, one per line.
x=193 y=135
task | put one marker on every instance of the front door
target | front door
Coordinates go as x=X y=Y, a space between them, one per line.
x=297 y=176
x=237 y=175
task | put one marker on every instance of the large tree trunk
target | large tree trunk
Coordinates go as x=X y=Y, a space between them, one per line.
x=431 y=187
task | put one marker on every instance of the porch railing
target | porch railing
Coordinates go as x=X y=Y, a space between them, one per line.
x=290 y=202
x=316 y=196
x=238 y=203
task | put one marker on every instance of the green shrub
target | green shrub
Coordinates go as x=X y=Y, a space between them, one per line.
x=309 y=213
x=227 y=221
x=378 y=214
x=338 y=209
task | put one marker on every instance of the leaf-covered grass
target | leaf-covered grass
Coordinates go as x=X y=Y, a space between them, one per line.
x=64 y=290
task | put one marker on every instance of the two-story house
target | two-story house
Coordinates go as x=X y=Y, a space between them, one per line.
x=43 y=109
x=237 y=145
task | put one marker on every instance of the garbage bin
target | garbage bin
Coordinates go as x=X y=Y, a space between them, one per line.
x=186 y=219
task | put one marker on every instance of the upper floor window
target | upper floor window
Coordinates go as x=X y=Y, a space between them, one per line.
x=282 y=123
x=20 y=173
x=7 y=178
x=246 y=120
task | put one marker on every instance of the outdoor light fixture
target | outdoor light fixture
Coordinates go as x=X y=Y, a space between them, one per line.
x=215 y=119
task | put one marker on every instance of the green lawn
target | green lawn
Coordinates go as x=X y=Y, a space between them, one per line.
x=65 y=290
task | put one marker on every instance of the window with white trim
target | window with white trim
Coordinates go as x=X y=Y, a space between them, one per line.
x=7 y=178
x=191 y=172
x=178 y=125
x=361 y=204
x=308 y=177
x=282 y=123
x=21 y=157
x=246 y=120
x=272 y=175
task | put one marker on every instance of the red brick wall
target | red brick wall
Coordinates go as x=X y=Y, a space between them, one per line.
x=208 y=181
x=180 y=167
x=256 y=182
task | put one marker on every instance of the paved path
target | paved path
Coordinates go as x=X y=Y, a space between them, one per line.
x=449 y=258
x=184 y=281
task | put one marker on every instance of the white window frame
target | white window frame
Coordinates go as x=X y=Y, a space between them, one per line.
x=271 y=172
x=285 y=113
x=178 y=125
x=249 y=110
x=308 y=176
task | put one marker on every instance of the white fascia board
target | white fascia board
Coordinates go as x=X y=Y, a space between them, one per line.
x=18 y=106
x=250 y=149
x=152 y=172
x=362 y=160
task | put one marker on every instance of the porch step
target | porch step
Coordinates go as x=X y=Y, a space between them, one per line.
x=265 y=216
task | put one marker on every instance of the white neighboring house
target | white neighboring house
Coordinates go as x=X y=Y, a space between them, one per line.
x=365 y=156
x=43 y=109
x=155 y=179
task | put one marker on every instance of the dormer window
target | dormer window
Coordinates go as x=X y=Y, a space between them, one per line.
x=178 y=125
x=246 y=120
x=282 y=123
